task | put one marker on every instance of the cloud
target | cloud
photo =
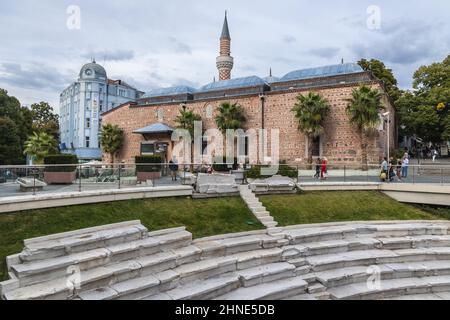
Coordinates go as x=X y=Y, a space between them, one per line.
x=108 y=55
x=180 y=47
x=325 y=52
x=36 y=76
x=289 y=39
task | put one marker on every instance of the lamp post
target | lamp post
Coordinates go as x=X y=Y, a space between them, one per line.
x=387 y=114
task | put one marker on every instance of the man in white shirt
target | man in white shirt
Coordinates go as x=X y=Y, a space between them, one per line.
x=405 y=164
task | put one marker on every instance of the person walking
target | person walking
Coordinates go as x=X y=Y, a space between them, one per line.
x=434 y=154
x=384 y=170
x=405 y=164
x=391 y=170
x=323 y=169
x=318 y=164
x=398 y=170
x=173 y=167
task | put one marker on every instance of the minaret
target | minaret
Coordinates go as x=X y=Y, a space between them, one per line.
x=225 y=60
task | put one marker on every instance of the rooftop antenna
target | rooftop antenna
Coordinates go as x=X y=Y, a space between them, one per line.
x=342 y=61
x=214 y=79
x=270 y=73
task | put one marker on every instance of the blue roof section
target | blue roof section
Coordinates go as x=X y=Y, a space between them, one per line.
x=169 y=91
x=251 y=81
x=154 y=128
x=325 y=71
x=271 y=79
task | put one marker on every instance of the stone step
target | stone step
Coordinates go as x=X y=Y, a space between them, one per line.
x=392 y=288
x=255 y=258
x=304 y=235
x=424 y=296
x=266 y=273
x=205 y=269
x=372 y=257
x=410 y=229
x=204 y=289
x=266 y=219
x=349 y=275
x=270 y=224
x=423 y=241
x=228 y=246
x=82 y=240
x=275 y=290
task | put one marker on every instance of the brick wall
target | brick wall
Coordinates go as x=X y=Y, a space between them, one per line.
x=341 y=142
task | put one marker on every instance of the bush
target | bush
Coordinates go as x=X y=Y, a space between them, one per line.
x=157 y=159
x=225 y=167
x=283 y=170
x=61 y=159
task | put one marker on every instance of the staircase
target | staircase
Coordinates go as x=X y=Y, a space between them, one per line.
x=257 y=207
x=356 y=260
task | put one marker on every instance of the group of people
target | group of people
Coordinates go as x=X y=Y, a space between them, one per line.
x=321 y=169
x=426 y=152
x=395 y=169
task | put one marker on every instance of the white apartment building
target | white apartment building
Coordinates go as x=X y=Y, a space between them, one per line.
x=81 y=106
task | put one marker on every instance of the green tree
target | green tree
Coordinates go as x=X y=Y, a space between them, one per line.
x=44 y=120
x=230 y=116
x=10 y=148
x=381 y=72
x=364 y=108
x=311 y=111
x=39 y=145
x=186 y=120
x=425 y=111
x=20 y=128
x=111 y=140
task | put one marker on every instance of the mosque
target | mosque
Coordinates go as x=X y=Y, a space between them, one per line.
x=267 y=102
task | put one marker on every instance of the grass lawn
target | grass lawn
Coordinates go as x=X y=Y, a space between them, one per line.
x=201 y=217
x=320 y=206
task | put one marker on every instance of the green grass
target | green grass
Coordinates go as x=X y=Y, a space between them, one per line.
x=319 y=207
x=201 y=217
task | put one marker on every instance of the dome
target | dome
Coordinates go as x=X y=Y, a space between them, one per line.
x=93 y=71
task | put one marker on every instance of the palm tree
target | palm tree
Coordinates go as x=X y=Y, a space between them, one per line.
x=231 y=116
x=111 y=140
x=311 y=111
x=39 y=145
x=364 y=108
x=186 y=120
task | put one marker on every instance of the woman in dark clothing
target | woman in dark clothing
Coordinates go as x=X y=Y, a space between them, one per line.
x=173 y=167
x=317 y=175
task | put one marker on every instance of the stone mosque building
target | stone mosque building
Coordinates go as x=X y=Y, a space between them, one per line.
x=267 y=102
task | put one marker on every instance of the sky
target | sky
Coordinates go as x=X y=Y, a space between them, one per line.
x=161 y=43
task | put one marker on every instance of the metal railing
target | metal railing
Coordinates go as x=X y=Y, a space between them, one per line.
x=20 y=180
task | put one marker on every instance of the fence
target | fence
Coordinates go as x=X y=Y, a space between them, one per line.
x=20 y=180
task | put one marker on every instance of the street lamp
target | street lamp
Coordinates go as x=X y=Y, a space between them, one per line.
x=387 y=114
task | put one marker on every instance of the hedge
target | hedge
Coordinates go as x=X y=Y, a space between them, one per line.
x=283 y=170
x=150 y=159
x=225 y=167
x=61 y=159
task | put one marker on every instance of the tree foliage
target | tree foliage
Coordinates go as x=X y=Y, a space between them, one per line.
x=311 y=111
x=186 y=120
x=39 y=145
x=44 y=120
x=381 y=72
x=111 y=139
x=425 y=111
x=364 y=109
x=230 y=116
x=16 y=127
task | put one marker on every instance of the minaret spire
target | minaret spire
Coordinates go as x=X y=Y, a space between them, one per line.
x=225 y=61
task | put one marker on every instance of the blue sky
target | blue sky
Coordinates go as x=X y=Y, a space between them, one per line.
x=162 y=43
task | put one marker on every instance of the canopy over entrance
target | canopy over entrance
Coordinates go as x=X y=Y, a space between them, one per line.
x=156 y=128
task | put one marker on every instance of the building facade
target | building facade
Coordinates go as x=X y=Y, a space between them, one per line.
x=81 y=106
x=267 y=104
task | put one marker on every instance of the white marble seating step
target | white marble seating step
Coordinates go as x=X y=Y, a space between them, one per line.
x=424 y=296
x=275 y=290
x=42 y=270
x=372 y=257
x=79 y=241
x=344 y=276
x=392 y=288
x=299 y=234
